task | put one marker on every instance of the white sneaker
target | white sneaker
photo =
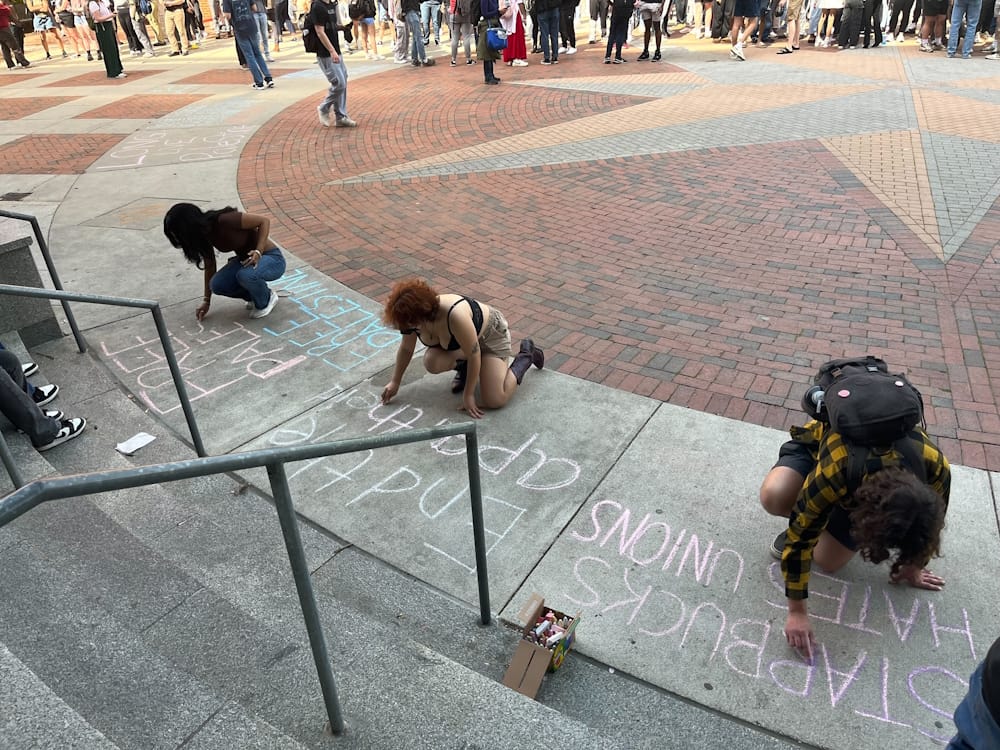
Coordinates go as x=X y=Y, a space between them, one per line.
x=900 y=38
x=267 y=310
x=738 y=52
x=68 y=429
x=345 y=122
x=29 y=369
x=324 y=117
x=520 y=63
x=562 y=50
x=570 y=51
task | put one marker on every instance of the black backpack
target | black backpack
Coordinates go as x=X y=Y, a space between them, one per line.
x=309 y=38
x=870 y=408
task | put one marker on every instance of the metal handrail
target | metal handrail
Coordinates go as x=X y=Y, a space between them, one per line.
x=274 y=459
x=161 y=331
x=47 y=257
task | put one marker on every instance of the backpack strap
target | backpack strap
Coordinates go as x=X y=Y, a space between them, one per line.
x=909 y=447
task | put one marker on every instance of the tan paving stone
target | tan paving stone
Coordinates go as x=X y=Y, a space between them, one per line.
x=942 y=112
x=892 y=166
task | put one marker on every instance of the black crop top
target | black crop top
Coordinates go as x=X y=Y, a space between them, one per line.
x=477 y=321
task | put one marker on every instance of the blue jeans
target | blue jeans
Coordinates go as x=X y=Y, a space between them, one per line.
x=336 y=96
x=548 y=23
x=261 y=20
x=970 y=9
x=19 y=407
x=429 y=14
x=255 y=60
x=975 y=724
x=249 y=283
x=27 y=383
x=418 y=54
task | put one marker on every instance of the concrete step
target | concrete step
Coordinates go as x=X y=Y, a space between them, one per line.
x=35 y=716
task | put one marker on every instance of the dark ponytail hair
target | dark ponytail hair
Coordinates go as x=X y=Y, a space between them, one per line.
x=190 y=229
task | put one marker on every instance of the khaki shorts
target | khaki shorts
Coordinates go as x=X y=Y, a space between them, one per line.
x=792 y=13
x=494 y=340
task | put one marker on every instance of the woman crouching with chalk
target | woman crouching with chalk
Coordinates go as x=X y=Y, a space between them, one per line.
x=256 y=259
x=460 y=334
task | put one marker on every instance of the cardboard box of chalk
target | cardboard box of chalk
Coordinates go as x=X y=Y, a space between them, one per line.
x=546 y=638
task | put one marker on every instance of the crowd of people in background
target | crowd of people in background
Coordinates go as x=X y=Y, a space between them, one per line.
x=406 y=29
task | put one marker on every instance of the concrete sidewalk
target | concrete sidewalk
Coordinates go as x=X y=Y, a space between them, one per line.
x=553 y=196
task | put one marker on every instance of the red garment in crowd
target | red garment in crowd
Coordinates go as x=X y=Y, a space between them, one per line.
x=516 y=49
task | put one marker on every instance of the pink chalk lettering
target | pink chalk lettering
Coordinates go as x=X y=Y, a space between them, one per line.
x=639 y=535
x=739 y=567
x=720 y=616
x=673 y=552
x=907 y=622
x=700 y=563
x=966 y=630
x=594 y=521
x=755 y=647
x=847 y=678
x=817 y=596
x=596 y=600
x=779 y=667
x=639 y=600
x=863 y=615
x=673 y=628
x=962 y=688
x=884 y=715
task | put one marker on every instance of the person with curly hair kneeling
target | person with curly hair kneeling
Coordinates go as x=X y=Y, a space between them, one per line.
x=890 y=512
x=460 y=334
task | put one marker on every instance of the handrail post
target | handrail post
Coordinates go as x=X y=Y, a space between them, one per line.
x=478 y=525
x=8 y=461
x=175 y=371
x=307 y=599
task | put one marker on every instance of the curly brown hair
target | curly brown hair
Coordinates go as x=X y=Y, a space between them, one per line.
x=894 y=510
x=411 y=302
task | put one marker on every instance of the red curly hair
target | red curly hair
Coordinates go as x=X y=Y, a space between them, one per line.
x=411 y=302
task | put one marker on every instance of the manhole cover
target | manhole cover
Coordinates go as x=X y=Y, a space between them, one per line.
x=14 y=196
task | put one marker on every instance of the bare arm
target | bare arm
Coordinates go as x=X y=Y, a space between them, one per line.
x=202 y=309
x=464 y=331
x=403 y=356
x=325 y=41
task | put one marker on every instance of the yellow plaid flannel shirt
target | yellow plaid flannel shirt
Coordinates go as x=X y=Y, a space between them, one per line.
x=826 y=486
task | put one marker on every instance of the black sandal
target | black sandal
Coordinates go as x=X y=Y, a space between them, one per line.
x=785 y=51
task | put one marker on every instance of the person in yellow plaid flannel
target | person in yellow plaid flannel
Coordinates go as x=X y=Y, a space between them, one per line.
x=890 y=513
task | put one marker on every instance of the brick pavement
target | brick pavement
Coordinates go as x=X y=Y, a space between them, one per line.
x=715 y=276
x=52 y=154
x=15 y=109
x=142 y=106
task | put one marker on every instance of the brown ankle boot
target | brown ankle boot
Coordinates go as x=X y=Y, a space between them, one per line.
x=528 y=355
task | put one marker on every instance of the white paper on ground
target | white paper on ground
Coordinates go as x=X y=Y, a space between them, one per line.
x=134 y=443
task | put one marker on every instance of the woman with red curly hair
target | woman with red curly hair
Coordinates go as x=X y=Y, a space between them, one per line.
x=460 y=334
